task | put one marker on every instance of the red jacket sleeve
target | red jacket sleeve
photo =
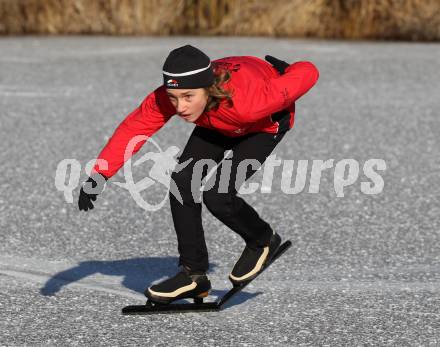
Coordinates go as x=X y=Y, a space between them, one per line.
x=145 y=120
x=269 y=95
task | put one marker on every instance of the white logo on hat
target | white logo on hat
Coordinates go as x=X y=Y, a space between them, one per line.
x=172 y=83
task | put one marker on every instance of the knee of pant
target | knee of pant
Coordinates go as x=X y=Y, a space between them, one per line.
x=218 y=203
x=182 y=178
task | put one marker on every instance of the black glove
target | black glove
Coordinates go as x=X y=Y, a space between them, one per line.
x=90 y=189
x=278 y=64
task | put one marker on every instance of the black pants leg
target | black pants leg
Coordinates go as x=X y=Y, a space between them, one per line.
x=226 y=206
x=233 y=210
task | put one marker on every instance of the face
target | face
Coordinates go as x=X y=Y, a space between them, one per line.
x=189 y=103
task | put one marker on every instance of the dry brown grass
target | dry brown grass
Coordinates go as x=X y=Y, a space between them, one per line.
x=351 y=19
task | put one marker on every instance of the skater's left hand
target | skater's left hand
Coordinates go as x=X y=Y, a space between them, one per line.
x=278 y=64
x=90 y=189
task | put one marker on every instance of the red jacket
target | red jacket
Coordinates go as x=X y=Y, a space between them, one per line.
x=259 y=91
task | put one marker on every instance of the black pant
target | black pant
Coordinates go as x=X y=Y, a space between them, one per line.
x=226 y=206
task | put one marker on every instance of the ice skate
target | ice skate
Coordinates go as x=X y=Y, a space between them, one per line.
x=185 y=284
x=253 y=260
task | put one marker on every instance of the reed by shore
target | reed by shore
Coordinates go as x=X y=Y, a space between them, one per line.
x=416 y=20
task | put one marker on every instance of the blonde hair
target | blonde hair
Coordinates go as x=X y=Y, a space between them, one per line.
x=216 y=93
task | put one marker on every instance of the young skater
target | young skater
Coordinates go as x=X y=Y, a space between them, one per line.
x=238 y=103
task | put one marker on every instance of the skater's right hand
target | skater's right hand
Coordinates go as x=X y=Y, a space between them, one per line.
x=278 y=64
x=90 y=189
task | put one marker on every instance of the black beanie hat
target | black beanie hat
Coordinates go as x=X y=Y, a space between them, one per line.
x=187 y=67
